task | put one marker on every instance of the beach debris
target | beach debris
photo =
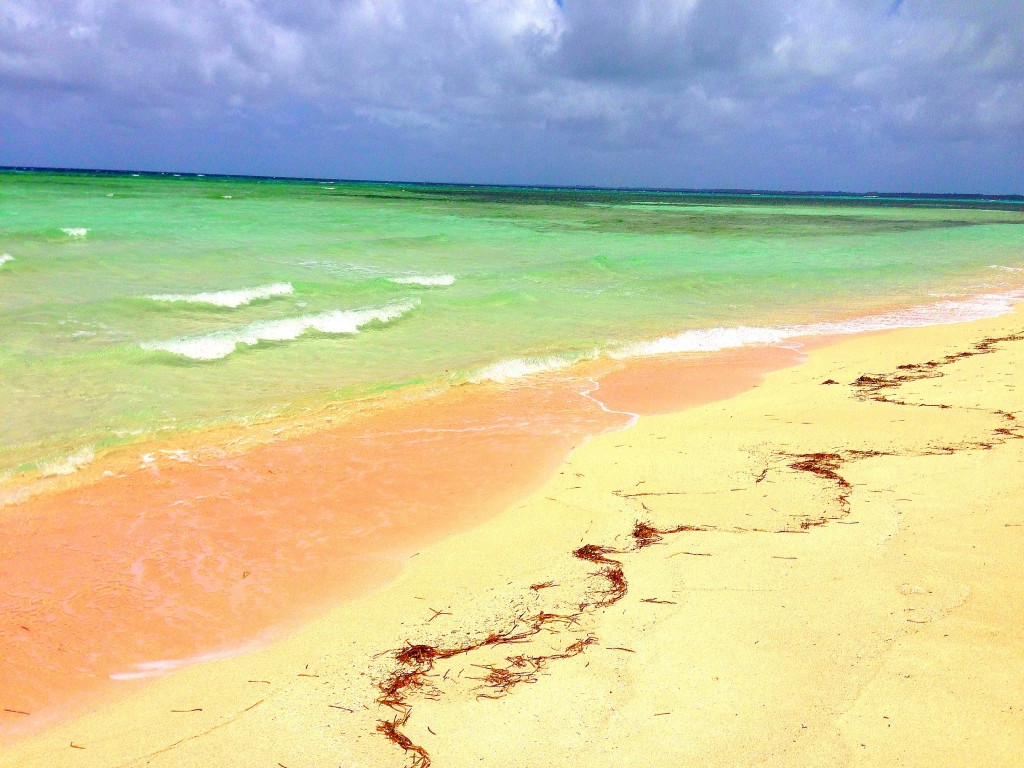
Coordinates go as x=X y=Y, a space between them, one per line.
x=648 y=493
x=878 y=387
x=436 y=614
x=416 y=662
x=419 y=660
x=691 y=554
x=824 y=465
x=543 y=585
x=502 y=679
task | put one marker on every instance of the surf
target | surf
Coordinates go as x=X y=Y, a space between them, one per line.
x=220 y=344
x=231 y=298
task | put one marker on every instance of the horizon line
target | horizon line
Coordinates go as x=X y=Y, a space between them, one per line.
x=1008 y=197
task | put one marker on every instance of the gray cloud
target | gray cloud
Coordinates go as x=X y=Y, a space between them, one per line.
x=920 y=94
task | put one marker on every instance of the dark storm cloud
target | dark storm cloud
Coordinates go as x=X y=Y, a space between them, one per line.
x=868 y=93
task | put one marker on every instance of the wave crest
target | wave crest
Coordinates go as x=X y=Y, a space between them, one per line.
x=230 y=298
x=429 y=281
x=979 y=307
x=516 y=368
x=75 y=231
x=5 y=257
x=701 y=340
x=69 y=464
x=220 y=344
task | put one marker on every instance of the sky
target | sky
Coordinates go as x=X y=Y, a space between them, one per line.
x=854 y=95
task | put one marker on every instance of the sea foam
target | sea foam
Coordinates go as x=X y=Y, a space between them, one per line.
x=701 y=340
x=713 y=339
x=516 y=368
x=144 y=669
x=980 y=307
x=69 y=464
x=5 y=257
x=75 y=231
x=509 y=370
x=429 y=281
x=219 y=344
x=230 y=298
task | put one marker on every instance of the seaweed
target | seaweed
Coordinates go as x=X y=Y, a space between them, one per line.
x=416 y=662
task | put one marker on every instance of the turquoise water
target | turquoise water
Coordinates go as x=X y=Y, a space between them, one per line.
x=132 y=304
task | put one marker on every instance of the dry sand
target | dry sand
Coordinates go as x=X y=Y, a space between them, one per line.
x=828 y=575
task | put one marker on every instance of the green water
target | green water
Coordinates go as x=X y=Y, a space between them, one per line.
x=87 y=361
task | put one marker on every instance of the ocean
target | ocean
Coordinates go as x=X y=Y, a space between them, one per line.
x=135 y=305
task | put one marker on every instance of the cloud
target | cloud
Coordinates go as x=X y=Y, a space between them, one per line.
x=678 y=92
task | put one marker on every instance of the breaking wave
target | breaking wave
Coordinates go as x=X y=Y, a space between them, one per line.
x=508 y=370
x=516 y=368
x=429 y=281
x=231 y=298
x=716 y=339
x=69 y=464
x=75 y=231
x=5 y=257
x=219 y=344
x=713 y=339
x=981 y=307
x=701 y=340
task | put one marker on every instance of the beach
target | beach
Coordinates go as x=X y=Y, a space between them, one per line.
x=542 y=384
x=819 y=570
x=380 y=473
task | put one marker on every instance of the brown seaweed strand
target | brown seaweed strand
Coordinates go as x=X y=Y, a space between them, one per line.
x=825 y=465
x=417 y=662
x=499 y=681
x=878 y=387
x=874 y=386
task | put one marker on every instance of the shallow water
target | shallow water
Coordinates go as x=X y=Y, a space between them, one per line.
x=139 y=305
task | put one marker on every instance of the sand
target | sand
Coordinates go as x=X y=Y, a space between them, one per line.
x=827 y=574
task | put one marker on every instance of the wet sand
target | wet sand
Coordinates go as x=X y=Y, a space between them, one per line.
x=182 y=559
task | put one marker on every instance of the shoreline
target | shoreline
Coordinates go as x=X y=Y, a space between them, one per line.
x=534 y=539
x=88 y=464
x=178 y=541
